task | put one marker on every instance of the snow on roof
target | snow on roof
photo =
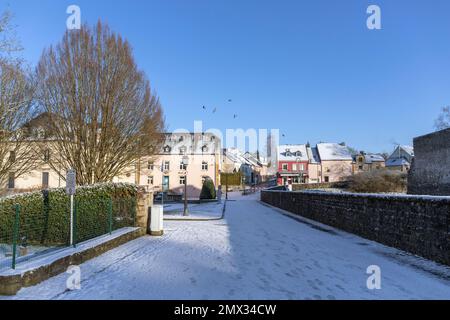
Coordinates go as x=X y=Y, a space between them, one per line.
x=408 y=149
x=236 y=156
x=396 y=162
x=292 y=152
x=333 y=151
x=369 y=158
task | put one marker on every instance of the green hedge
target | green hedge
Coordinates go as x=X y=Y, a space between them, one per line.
x=44 y=216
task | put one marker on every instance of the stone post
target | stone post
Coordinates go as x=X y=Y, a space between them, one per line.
x=144 y=202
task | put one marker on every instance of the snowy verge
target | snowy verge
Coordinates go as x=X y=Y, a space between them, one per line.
x=34 y=271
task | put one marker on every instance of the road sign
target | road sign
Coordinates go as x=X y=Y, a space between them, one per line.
x=71 y=182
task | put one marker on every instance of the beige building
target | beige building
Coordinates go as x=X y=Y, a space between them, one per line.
x=368 y=162
x=336 y=162
x=167 y=171
x=164 y=171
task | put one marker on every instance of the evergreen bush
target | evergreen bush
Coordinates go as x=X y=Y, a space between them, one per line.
x=208 y=190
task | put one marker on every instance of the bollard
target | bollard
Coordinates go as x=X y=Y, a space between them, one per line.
x=156 y=220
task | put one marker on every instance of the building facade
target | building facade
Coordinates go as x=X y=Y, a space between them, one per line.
x=336 y=161
x=292 y=164
x=368 y=162
x=167 y=171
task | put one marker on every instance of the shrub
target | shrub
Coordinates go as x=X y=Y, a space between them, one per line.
x=378 y=181
x=44 y=216
x=208 y=190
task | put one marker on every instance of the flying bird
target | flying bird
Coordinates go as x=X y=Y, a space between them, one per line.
x=204 y=108
x=215 y=109
x=229 y=100
x=235 y=116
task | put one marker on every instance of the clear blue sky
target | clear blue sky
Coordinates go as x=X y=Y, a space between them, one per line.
x=308 y=67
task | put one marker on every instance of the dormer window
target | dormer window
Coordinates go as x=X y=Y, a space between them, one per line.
x=167 y=149
x=288 y=154
x=298 y=154
x=183 y=150
x=204 y=149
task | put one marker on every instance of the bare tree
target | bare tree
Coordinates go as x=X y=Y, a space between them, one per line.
x=103 y=116
x=16 y=94
x=443 y=121
x=8 y=39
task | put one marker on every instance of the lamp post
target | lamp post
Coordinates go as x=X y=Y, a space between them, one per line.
x=185 y=162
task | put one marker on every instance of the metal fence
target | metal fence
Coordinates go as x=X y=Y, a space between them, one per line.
x=39 y=225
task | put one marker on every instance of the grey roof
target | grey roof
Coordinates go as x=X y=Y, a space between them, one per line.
x=192 y=143
x=396 y=162
x=292 y=152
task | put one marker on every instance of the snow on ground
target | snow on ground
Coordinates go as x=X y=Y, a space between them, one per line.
x=256 y=252
x=208 y=210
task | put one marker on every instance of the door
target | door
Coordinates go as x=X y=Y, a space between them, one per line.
x=165 y=186
x=45 y=180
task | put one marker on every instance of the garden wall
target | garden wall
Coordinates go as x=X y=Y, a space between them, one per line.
x=416 y=224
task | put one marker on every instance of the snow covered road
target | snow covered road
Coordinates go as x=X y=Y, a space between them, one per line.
x=256 y=252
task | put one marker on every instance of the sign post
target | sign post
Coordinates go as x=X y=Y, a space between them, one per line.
x=71 y=181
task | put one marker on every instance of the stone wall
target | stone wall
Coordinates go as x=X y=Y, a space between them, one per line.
x=430 y=172
x=419 y=225
x=144 y=202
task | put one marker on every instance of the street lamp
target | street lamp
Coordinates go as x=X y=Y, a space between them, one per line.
x=185 y=163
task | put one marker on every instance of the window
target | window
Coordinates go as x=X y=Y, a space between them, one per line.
x=361 y=167
x=205 y=166
x=298 y=154
x=47 y=155
x=285 y=167
x=167 y=149
x=204 y=149
x=150 y=180
x=182 y=180
x=11 y=181
x=302 y=167
x=151 y=165
x=12 y=156
x=183 y=166
x=327 y=179
x=45 y=180
x=294 y=167
x=183 y=150
x=166 y=166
